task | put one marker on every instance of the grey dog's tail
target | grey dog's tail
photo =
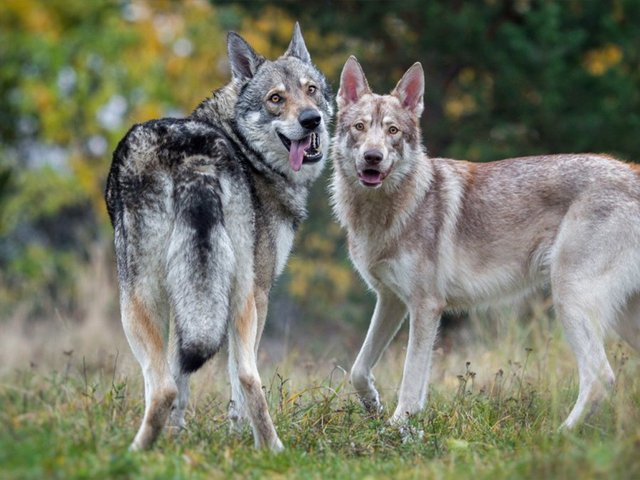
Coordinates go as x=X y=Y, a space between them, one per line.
x=200 y=263
x=163 y=184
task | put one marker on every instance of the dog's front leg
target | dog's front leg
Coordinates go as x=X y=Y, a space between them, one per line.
x=262 y=302
x=423 y=326
x=387 y=319
x=244 y=374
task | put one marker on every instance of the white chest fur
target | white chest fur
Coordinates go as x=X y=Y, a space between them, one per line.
x=283 y=244
x=396 y=272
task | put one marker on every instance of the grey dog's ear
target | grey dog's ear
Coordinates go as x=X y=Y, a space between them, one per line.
x=243 y=59
x=297 y=48
x=353 y=83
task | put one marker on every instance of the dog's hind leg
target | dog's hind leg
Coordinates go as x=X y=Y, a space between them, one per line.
x=176 y=420
x=595 y=265
x=387 y=319
x=262 y=303
x=145 y=325
x=244 y=374
x=628 y=323
x=583 y=315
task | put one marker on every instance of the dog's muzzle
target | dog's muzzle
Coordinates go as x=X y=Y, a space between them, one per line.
x=372 y=175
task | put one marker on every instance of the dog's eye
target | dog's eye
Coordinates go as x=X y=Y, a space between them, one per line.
x=275 y=98
x=359 y=126
x=311 y=89
x=393 y=130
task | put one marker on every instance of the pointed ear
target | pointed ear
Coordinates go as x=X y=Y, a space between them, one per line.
x=353 y=83
x=243 y=59
x=297 y=48
x=410 y=89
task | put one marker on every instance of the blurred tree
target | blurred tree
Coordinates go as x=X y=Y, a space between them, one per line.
x=74 y=77
x=504 y=77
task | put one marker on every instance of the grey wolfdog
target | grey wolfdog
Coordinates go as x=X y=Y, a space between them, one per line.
x=429 y=234
x=204 y=211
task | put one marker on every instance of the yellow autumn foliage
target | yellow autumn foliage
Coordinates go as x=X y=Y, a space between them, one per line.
x=599 y=60
x=326 y=280
x=456 y=106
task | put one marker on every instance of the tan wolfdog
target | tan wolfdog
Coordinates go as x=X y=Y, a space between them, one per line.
x=430 y=234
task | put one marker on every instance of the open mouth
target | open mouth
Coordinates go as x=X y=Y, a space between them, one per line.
x=304 y=150
x=371 y=177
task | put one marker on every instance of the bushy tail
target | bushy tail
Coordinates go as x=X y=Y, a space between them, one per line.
x=200 y=263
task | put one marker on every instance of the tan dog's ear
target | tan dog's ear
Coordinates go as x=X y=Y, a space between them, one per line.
x=353 y=83
x=410 y=89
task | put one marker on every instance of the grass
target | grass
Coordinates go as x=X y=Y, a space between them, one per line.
x=493 y=412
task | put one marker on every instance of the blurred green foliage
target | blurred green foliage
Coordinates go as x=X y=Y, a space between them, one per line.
x=74 y=76
x=504 y=78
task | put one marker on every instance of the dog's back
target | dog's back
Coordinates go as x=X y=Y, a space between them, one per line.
x=165 y=200
x=514 y=218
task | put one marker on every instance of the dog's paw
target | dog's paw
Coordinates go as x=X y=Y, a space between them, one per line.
x=565 y=427
x=404 y=412
x=176 y=430
x=176 y=422
x=410 y=434
x=371 y=403
x=400 y=417
x=277 y=446
x=238 y=424
x=135 y=447
x=237 y=419
x=372 y=407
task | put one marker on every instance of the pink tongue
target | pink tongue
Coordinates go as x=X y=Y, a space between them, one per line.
x=296 y=152
x=371 y=176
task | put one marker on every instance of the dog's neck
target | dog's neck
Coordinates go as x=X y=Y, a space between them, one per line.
x=385 y=211
x=219 y=110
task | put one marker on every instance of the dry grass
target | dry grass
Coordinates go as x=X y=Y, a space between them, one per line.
x=71 y=400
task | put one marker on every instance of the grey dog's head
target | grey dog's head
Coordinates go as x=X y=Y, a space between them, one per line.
x=283 y=107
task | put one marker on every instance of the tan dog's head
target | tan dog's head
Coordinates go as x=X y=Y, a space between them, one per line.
x=377 y=137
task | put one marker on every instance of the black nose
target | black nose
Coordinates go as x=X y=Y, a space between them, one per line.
x=309 y=118
x=373 y=157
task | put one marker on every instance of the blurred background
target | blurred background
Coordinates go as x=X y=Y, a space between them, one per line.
x=504 y=78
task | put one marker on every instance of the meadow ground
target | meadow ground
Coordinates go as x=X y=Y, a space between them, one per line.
x=497 y=396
